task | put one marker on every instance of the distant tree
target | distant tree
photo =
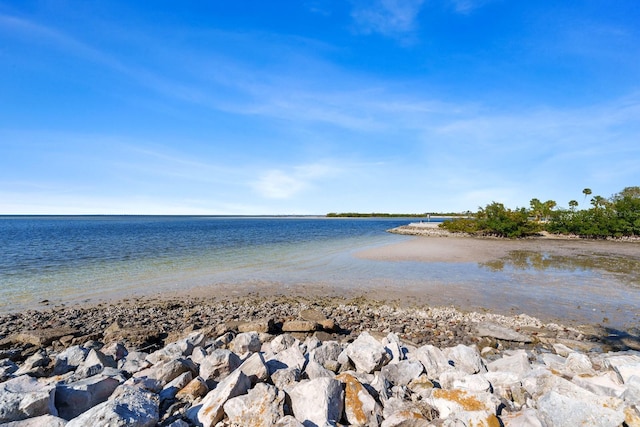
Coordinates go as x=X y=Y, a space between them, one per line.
x=536 y=209
x=547 y=208
x=598 y=202
x=573 y=204
x=586 y=192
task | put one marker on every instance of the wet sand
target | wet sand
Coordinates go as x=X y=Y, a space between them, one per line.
x=481 y=250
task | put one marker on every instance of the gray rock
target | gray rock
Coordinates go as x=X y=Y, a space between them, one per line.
x=170 y=390
x=367 y=353
x=474 y=383
x=210 y=410
x=263 y=406
x=24 y=397
x=246 y=342
x=115 y=350
x=94 y=363
x=316 y=370
x=494 y=330
x=34 y=365
x=74 y=398
x=127 y=406
x=134 y=361
x=283 y=342
x=7 y=368
x=198 y=355
x=317 y=402
x=41 y=421
x=327 y=354
x=284 y=378
x=402 y=372
x=165 y=372
x=69 y=359
x=219 y=364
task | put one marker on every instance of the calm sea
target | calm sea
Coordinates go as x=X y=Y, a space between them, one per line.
x=70 y=259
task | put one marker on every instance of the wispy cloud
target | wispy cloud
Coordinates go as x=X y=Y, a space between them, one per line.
x=388 y=17
x=285 y=184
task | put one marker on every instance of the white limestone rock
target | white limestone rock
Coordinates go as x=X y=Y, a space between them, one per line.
x=210 y=410
x=402 y=372
x=317 y=402
x=292 y=357
x=327 y=355
x=466 y=358
x=69 y=359
x=367 y=353
x=247 y=342
x=360 y=407
x=262 y=406
x=34 y=365
x=127 y=406
x=165 y=372
x=41 y=421
x=493 y=330
x=471 y=408
x=516 y=362
x=170 y=390
x=562 y=410
x=255 y=368
x=401 y=413
x=93 y=364
x=528 y=417
x=134 y=361
x=433 y=359
x=625 y=365
x=283 y=342
x=25 y=397
x=74 y=398
x=288 y=421
x=316 y=370
x=219 y=364
x=394 y=347
x=284 y=378
x=473 y=383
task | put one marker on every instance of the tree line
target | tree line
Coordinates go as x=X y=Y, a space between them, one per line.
x=616 y=216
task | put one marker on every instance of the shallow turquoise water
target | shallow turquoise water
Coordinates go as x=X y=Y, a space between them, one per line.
x=63 y=259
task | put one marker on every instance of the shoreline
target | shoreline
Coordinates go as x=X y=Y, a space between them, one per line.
x=159 y=318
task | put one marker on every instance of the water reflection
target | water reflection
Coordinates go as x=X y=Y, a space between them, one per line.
x=625 y=269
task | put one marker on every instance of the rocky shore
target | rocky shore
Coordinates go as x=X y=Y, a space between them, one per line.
x=308 y=362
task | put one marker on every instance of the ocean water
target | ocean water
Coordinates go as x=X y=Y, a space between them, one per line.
x=73 y=259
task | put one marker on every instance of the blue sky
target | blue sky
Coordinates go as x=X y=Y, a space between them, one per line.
x=309 y=107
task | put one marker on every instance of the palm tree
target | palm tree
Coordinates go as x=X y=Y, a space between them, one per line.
x=586 y=192
x=573 y=204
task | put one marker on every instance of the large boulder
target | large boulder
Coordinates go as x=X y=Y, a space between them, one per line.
x=127 y=406
x=25 y=397
x=210 y=409
x=74 y=398
x=367 y=353
x=317 y=402
x=263 y=406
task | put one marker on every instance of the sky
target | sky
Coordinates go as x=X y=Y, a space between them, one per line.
x=315 y=106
